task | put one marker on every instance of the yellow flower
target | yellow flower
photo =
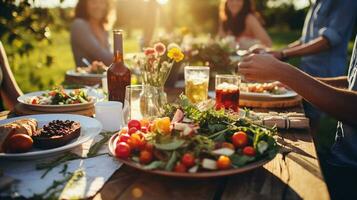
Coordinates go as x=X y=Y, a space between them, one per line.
x=175 y=54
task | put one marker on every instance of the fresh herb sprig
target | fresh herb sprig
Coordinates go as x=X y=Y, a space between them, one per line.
x=93 y=152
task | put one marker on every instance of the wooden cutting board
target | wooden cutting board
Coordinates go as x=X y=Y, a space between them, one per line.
x=21 y=109
x=270 y=103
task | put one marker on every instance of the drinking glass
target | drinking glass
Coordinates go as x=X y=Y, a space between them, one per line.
x=196 y=83
x=110 y=114
x=227 y=92
x=141 y=101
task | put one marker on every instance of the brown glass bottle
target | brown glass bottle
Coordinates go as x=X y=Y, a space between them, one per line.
x=118 y=74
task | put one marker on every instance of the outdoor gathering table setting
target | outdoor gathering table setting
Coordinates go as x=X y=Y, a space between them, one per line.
x=294 y=173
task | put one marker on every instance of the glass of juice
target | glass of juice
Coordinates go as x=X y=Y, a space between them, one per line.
x=196 y=83
x=227 y=92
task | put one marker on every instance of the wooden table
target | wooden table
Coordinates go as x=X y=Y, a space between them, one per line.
x=293 y=174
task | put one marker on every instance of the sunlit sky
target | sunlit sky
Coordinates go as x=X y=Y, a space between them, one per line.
x=71 y=3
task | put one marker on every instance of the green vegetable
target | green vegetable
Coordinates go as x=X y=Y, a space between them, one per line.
x=153 y=165
x=171 y=163
x=240 y=160
x=175 y=144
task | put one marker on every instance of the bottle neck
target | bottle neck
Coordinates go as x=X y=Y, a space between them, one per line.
x=118 y=57
x=118 y=46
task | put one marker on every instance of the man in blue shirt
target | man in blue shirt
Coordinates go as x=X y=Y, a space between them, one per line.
x=323 y=45
x=336 y=96
x=325 y=36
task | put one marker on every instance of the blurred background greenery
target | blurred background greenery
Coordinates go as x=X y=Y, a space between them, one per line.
x=35 y=34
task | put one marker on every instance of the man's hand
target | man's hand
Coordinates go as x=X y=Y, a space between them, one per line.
x=276 y=54
x=260 y=67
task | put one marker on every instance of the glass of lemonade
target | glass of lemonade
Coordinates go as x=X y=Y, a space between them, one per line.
x=227 y=92
x=196 y=83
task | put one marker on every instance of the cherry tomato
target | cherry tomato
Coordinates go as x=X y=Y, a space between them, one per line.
x=179 y=167
x=124 y=138
x=223 y=162
x=122 y=150
x=136 y=141
x=132 y=130
x=240 y=139
x=249 y=151
x=145 y=156
x=144 y=122
x=18 y=143
x=228 y=145
x=144 y=129
x=34 y=101
x=188 y=160
x=149 y=147
x=134 y=123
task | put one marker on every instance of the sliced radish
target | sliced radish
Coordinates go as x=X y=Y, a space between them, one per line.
x=209 y=164
x=193 y=169
x=178 y=117
x=223 y=151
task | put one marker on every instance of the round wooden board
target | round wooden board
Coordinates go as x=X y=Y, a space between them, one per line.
x=21 y=109
x=82 y=80
x=270 y=103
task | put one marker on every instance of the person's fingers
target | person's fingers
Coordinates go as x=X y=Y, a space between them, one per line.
x=248 y=57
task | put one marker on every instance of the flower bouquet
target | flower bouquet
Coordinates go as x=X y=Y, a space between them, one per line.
x=156 y=64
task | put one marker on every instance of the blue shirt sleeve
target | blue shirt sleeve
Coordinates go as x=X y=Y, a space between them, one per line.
x=343 y=15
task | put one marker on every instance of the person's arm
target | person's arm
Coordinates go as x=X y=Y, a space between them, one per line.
x=258 y=31
x=82 y=35
x=339 y=82
x=9 y=89
x=343 y=15
x=315 y=46
x=339 y=103
x=295 y=44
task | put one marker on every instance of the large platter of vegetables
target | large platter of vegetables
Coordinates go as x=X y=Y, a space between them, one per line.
x=194 y=142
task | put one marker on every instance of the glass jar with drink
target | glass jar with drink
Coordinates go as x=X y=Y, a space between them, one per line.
x=196 y=83
x=227 y=92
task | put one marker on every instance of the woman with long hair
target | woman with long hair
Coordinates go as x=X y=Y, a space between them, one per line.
x=239 y=18
x=89 y=31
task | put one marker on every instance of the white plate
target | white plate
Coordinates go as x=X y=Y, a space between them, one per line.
x=89 y=129
x=72 y=72
x=23 y=99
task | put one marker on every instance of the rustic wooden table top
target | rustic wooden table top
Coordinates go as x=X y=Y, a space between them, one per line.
x=293 y=174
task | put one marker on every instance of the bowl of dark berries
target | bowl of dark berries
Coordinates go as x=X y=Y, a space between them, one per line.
x=56 y=133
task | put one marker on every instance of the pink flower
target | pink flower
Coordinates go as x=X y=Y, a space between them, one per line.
x=149 y=51
x=160 y=48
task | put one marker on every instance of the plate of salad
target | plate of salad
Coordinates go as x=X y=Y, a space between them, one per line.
x=190 y=141
x=58 y=99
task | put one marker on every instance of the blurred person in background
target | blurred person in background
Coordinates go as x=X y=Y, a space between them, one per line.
x=324 y=42
x=89 y=31
x=238 y=18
